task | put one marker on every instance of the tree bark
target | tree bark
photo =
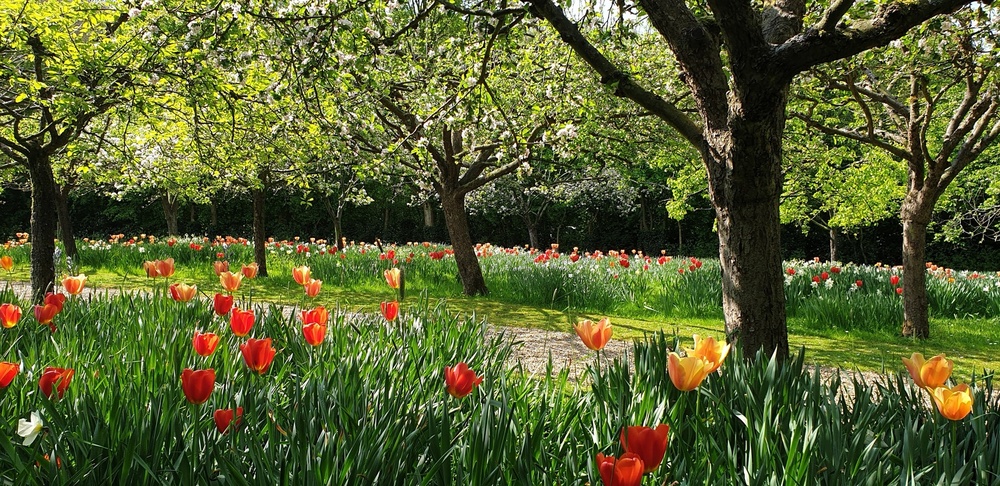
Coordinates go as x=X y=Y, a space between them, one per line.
x=43 y=226
x=745 y=189
x=455 y=218
x=833 y=244
x=428 y=215
x=259 y=233
x=213 y=215
x=533 y=235
x=170 y=213
x=65 y=222
x=915 y=217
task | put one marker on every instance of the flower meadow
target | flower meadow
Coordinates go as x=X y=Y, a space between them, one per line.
x=181 y=385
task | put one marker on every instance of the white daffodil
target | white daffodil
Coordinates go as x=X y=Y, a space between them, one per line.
x=29 y=429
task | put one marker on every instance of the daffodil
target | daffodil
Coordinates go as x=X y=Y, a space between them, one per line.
x=29 y=429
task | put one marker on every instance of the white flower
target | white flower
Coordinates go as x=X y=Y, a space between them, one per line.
x=29 y=429
x=829 y=283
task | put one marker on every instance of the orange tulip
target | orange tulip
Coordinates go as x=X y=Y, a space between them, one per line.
x=390 y=310
x=258 y=354
x=224 y=418
x=594 y=336
x=230 y=281
x=74 y=285
x=931 y=373
x=302 y=275
x=953 y=403
x=649 y=444
x=624 y=471
x=45 y=313
x=58 y=377
x=220 y=267
x=687 y=373
x=314 y=333
x=710 y=350
x=7 y=373
x=10 y=315
x=205 y=343
x=150 y=268
x=222 y=303
x=392 y=277
x=165 y=267
x=56 y=300
x=319 y=315
x=197 y=384
x=250 y=271
x=241 y=321
x=312 y=288
x=460 y=380
x=7 y=263
x=183 y=292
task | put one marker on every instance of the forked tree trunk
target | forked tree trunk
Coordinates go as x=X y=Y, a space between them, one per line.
x=43 y=226
x=65 y=222
x=457 y=222
x=259 y=233
x=745 y=189
x=170 y=213
x=915 y=217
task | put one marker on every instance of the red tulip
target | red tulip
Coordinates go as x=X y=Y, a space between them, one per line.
x=824 y=275
x=835 y=269
x=241 y=321
x=171 y=242
x=74 y=285
x=815 y=278
x=319 y=315
x=312 y=287
x=899 y=290
x=314 y=333
x=183 y=292
x=790 y=271
x=858 y=283
x=390 y=310
x=624 y=471
x=460 y=380
x=205 y=343
x=58 y=377
x=301 y=275
x=165 y=267
x=220 y=267
x=7 y=373
x=224 y=418
x=10 y=315
x=45 y=314
x=194 y=246
x=55 y=299
x=197 y=385
x=894 y=280
x=258 y=354
x=250 y=271
x=649 y=444
x=230 y=281
x=223 y=304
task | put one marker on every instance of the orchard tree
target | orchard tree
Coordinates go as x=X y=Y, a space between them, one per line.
x=935 y=107
x=738 y=60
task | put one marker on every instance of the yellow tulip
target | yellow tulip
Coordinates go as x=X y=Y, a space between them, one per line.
x=687 y=373
x=953 y=403
x=710 y=350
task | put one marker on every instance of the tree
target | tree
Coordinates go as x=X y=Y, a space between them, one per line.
x=937 y=110
x=740 y=100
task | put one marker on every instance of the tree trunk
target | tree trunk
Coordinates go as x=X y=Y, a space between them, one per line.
x=680 y=237
x=259 y=234
x=191 y=213
x=916 y=322
x=385 y=222
x=533 y=235
x=213 y=215
x=744 y=167
x=642 y=216
x=428 y=215
x=170 y=213
x=457 y=222
x=65 y=223
x=43 y=226
x=833 y=244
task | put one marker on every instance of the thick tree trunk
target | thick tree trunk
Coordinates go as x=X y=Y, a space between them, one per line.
x=833 y=244
x=916 y=322
x=259 y=234
x=213 y=215
x=43 y=226
x=533 y=235
x=457 y=222
x=65 y=223
x=745 y=189
x=170 y=213
x=191 y=213
x=428 y=215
